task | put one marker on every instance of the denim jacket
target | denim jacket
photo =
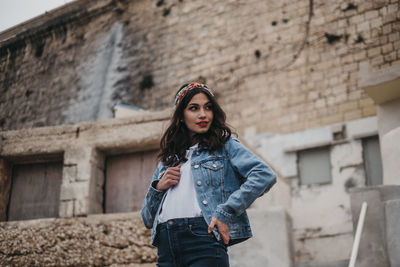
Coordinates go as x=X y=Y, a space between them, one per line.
x=226 y=182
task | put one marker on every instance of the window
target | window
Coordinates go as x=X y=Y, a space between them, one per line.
x=35 y=191
x=314 y=166
x=128 y=177
x=372 y=160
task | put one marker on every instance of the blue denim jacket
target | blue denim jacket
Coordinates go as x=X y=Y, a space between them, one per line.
x=226 y=182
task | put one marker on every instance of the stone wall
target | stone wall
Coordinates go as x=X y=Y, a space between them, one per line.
x=84 y=235
x=296 y=62
x=82 y=148
x=98 y=240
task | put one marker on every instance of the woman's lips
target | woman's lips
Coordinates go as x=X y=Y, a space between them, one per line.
x=202 y=124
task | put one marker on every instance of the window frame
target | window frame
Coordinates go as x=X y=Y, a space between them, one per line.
x=317 y=148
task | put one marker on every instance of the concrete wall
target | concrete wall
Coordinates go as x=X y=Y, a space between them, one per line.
x=271 y=244
x=380 y=243
x=390 y=154
x=321 y=213
x=389 y=132
x=296 y=62
x=383 y=86
x=98 y=240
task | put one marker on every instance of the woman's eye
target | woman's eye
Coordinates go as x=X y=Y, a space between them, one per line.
x=209 y=107
x=192 y=108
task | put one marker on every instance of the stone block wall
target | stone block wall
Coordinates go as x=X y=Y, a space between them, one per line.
x=82 y=148
x=81 y=235
x=98 y=240
x=296 y=62
x=82 y=186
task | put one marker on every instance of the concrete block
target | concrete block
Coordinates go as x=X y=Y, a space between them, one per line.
x=74 y=191
x=339 y=263
x=372 y=250
x=81 y=207
x=70 y=173
x=392 y=212
x=85 y=171
x=66 y=209
x=347 y=154
x=390 y=149
x=74 y=155
x=363 y=127
x=271 y=244
x=388 y=116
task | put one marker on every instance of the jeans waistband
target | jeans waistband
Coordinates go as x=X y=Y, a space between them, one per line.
x=182 y=221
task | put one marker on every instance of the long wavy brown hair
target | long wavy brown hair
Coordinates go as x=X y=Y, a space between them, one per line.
x=176 y=139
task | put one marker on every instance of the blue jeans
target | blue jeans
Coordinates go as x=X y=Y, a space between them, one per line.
x=186 y=242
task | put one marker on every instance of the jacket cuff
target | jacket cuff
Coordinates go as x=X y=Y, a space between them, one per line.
x=154 y=193
x=222 y=215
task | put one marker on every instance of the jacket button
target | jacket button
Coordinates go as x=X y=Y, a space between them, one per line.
x=205 y=202
x=214 y=165
x=198 y=182
x=197 y=153
x=196 y=166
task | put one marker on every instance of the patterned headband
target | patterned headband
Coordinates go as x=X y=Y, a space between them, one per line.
x=181 y=94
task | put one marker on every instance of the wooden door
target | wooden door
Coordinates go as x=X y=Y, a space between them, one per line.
x=127 y=179
x=35 y=191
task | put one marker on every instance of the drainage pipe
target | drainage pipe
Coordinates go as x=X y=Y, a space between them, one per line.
x=357 y=238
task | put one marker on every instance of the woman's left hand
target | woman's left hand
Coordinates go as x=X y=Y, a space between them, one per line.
x=222 y=228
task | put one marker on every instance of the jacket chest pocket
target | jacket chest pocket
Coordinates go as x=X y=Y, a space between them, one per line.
x=214 y=171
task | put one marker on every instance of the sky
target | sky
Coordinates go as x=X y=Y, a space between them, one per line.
x=13 y=12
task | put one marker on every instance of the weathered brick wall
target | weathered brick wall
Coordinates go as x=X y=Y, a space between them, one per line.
x=99 y=240
x=276 y=66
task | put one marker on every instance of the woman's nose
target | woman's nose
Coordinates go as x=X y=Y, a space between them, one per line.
x=202 y=113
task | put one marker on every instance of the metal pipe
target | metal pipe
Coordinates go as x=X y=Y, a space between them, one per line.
x=357 y=238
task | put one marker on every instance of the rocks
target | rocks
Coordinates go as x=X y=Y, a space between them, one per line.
x=113 y=240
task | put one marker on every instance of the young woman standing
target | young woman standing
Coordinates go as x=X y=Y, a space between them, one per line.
x=202 y=186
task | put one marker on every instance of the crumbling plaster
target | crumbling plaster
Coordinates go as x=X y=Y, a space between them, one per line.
x=320 y=212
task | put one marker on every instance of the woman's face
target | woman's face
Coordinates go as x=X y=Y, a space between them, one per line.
x=198 y=114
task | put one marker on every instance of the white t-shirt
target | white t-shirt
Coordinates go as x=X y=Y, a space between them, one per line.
x=181 y=200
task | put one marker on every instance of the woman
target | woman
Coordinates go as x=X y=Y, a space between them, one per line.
x=202 y=186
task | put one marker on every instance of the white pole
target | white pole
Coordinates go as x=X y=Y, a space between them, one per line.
x=357 y=238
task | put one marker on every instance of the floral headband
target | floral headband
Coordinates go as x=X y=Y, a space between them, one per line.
x=181 y=94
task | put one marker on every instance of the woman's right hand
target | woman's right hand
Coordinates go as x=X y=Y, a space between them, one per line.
x=170 y=178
